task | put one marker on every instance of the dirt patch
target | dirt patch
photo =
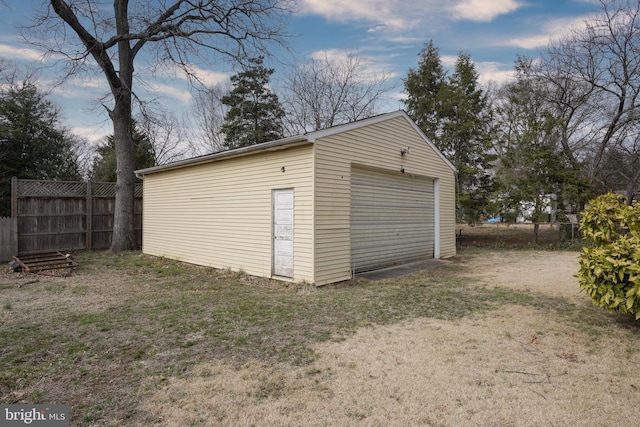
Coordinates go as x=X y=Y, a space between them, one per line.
x=517 y=366
x=550 y=273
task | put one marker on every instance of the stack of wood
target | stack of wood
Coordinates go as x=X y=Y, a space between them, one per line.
x=48 y=263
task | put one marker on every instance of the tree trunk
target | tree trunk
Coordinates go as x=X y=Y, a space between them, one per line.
x=124 y=237
x=123 y=220
x=632 y=187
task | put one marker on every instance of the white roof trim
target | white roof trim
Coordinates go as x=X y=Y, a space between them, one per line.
x=312 y=136
x=243 y=151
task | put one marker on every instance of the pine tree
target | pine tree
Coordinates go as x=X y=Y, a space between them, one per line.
x=255 y=114
x=423 y=87
x=466 y=139
x=455 y=114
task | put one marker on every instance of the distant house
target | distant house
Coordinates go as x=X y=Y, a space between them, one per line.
x=315 y=207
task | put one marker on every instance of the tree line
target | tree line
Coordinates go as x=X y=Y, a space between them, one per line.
x=35 y=145
x=563 y=129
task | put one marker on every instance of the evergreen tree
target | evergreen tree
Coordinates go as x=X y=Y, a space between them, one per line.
x=466 y=139
x=455 y=114
x=423 y=87
x=104 y=164
x=255 y=114
x=33 y=145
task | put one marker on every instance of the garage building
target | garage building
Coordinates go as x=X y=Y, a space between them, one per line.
x=315 y=207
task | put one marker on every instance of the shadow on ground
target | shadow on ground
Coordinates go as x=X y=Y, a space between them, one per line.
x=401 y=270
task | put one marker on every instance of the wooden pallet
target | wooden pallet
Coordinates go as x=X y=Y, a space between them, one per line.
x=48 y=263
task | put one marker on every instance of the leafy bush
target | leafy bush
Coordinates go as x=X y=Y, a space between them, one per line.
x=610 y=264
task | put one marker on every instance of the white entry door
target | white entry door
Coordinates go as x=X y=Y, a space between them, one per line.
x=283 y=232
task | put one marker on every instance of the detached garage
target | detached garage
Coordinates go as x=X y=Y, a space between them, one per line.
x=315 y=207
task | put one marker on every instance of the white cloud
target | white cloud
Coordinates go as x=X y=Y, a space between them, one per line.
x=493 y=72
x=529 y=42
x=401 y=15
x=551 y=30
x=342 y=10
x=211 y=78
x=171 y=91
x=448 y=60
x=331 y=55
x=487 y=71
x=12 y=52
x=483 y=10
x=78 y=87
x=368 y=67
x=94 y=134
x=172 y=71
x=70 y=91
x=381 y=16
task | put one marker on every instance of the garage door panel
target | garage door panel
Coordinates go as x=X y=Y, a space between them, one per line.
x=391 y=218
x=399 y=199
x=386 y=219
x=376 y=239
x=393 y=193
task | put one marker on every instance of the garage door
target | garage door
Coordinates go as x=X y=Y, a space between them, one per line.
x=391 y=219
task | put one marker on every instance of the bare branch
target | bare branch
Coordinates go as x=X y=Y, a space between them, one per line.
x=81 y=32
x=328 y=91
x=594 y=74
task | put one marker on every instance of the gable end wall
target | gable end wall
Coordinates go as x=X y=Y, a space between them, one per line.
x=378 y=146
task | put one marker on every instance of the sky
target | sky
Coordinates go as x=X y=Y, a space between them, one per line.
x=386 y=34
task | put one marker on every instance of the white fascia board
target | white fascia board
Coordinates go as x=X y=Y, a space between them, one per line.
x=243 y=151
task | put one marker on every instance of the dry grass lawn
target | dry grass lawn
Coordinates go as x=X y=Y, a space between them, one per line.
x=491 y=338
x=514 y=366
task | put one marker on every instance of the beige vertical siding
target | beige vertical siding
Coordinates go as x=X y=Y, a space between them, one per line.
x=376 y=145
x=219 y=214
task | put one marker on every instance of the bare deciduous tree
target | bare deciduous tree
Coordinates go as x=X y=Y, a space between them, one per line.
x=10 y=73
x=207 y=118
x=595 y=75
x=165 y=132
x=329 y=90
x=86 y=33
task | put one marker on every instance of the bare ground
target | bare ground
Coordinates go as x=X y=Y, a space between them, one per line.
x=520 y=365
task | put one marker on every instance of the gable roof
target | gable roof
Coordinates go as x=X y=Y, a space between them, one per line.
x=293 y=141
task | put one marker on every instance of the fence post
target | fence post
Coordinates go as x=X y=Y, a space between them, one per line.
x=89 y=210
x=14 y=197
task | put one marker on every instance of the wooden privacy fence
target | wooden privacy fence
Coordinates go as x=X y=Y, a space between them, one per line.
x=8 y=238
x=63 y=215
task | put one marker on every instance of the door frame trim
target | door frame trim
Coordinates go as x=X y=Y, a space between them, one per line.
x=273 y=223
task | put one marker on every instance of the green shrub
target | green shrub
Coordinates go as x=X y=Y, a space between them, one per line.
x=610 y=263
